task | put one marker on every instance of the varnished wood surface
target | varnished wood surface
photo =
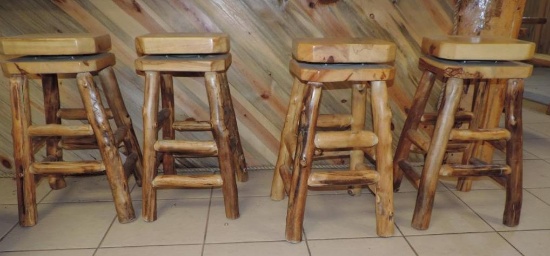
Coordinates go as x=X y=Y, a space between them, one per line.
x=343 y=50
x=261 y=34
x=341 y=72
x=476 y=69
x=181 y=43
x=477 y=48
x=55 y=44
x=56 y=64
x=187 y=63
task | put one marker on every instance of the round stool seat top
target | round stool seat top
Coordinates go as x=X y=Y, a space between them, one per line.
x=477 y=48
x=343 y=50
x=55 y=44
x=182 y=43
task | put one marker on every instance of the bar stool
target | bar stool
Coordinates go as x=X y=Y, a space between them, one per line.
x=173 y=54
x=46 y=56
x=459 y=61
x=359 y=64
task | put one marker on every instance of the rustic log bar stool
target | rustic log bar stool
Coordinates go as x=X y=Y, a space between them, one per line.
x=459 y=61
x=361 y=64
x=172 y=54
x=46 y=56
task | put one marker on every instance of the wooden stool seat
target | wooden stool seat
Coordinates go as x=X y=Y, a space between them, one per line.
x=477 y=48
x=168 y=55
x=341 y=72
x=55 y=44
x=87 y=55
x=181 y=43
x=58 y=64
x=319 y=61
x=184 y=63
x=343 y=50
x=476 y=69
x=465 y=132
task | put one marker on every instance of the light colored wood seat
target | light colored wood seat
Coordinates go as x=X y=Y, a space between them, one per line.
x=343 y=134
x=182 y=43
x=168 y=55
x=87 y=55
x=343 y=50
x=55 y=44
x=477 y=48
x=458 y=131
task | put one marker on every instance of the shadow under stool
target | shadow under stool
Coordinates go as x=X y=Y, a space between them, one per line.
x=359 y=64
x=47 y=57
x=465 y=63
x=173 y=54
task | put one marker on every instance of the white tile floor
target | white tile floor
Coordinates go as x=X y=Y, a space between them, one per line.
x=80 y=219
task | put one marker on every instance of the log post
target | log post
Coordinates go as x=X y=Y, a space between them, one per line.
x=150 y=136
x=358 y=113
x=109 y=151
x=290 y=129
x=22 y=149
x=168 y=132
x=219 y=118
x=302 y=165
x=494 y=18
x=121 y=116
x=52 y=104
x=434 y=158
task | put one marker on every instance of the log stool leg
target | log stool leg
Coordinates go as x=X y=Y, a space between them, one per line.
x=302 y=166
x=411 y=123
x=434 y=158
x=150 y=134
x=219 y=118
x=50 y=89
x=281 y=174
x=237 y=152
x=106 y=143
x=491 y=110
x=384 y=188
x=358 y=112
x=23 y=156
x=168 y=132
x=121 y=117
x=514 y=152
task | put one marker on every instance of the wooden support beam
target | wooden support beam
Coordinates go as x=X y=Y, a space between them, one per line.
x=162 y=117
x=408 y=168
x=479 y=134
x=78 y=142
x=419 y=139
x=207 y=148
x=188 y=181
x=78 y=113
x=65 y=168
x=130 y=164
x=345 y=139
x=60 y=130
x=361 y=176
x=460 y=116
x=459 y=170
x=192 y=126
x=334 y=121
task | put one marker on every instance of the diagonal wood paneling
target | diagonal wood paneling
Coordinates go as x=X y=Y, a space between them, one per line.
x=261 y=34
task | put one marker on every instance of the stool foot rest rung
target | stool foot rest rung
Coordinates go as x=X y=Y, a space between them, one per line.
x=460 y=116
x=188 y=181
x=419 y=139
x=204 y=148
x=362 y=176
x=78 y=113
x=192 y=126
x=78 y=142
x=130 y=164
x=461 y=170
x=480 y=134
x=60 y=130
x=334 y=121
x=345 y=139
x=77 y=167
x=408 y=168
x=162 y=116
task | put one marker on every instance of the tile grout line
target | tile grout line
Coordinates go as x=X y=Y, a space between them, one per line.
x=207 y=220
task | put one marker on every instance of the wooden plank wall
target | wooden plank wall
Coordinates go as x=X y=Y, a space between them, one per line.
x=261 y=34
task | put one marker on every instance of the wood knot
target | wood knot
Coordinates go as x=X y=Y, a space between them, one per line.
x=136 y=6
x=265 y=95
x=330 y=59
